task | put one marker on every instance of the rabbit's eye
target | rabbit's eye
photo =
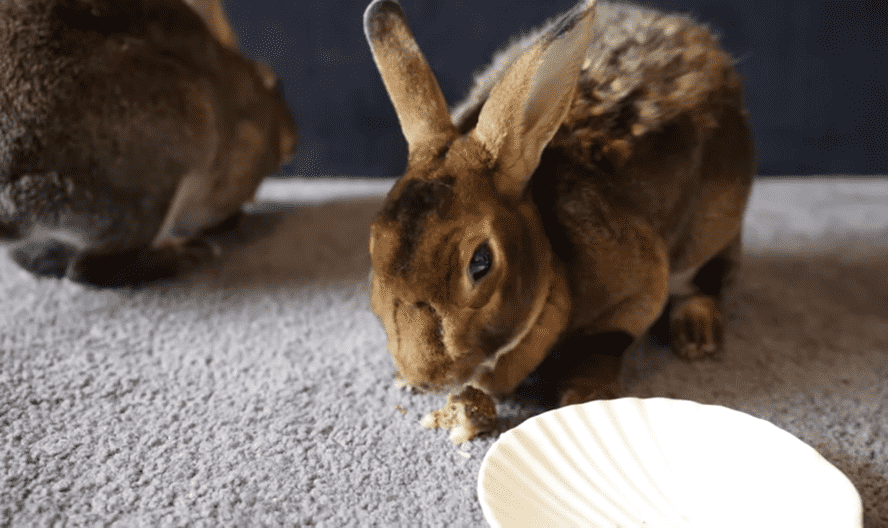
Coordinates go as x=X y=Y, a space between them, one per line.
x=481 y=262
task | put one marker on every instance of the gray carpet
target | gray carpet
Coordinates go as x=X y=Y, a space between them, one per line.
x=258 y=391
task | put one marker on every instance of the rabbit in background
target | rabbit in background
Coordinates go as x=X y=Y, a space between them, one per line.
x=599 y=166
x=128 y=129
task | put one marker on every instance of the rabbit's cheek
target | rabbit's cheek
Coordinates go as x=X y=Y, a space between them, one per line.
x=249 y=143
x=503 y=319
x=492 y=334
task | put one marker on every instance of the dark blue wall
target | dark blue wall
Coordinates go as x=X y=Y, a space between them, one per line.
x=816 y=73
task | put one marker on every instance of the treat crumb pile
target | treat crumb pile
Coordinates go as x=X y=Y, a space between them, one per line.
x=467 y=414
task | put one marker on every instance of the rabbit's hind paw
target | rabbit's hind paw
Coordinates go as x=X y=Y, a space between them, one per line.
x=136 y=267
x=44 y=258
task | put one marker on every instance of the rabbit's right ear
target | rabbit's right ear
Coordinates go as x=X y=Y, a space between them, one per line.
x=525 y=109
x=411 y=85
x=214 y=17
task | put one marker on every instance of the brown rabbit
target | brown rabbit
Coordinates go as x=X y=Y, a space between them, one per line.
x=127 y=129
x=596 y=168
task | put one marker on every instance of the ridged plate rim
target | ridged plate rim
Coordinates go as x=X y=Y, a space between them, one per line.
x=582 y=480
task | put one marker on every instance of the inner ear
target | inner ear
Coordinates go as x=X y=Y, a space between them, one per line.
x=526 y=108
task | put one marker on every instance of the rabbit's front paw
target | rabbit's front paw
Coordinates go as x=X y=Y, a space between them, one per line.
x=578 y=392
x=696 y=327
x=596 y=379
x=467 y=414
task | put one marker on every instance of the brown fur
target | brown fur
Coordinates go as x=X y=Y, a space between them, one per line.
x=215 y=19
x=601 y=188
x=126 y=129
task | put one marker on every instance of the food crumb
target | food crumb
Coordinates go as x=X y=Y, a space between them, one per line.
x=402 y=410
x=467 y=415
x=464 y=454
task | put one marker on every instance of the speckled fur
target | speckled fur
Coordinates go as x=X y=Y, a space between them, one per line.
x=643 y=69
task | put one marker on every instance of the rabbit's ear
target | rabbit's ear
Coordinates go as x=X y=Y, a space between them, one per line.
x=411 y=85
x=214 y=17
x=526 y=108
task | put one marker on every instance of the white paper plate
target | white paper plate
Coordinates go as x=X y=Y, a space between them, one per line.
x=660 y=462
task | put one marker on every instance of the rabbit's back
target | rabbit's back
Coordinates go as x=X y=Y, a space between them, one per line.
x=642 y=69
x=104 y=106
x=87 y=76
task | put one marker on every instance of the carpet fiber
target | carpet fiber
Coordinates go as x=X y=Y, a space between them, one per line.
x=258 y=390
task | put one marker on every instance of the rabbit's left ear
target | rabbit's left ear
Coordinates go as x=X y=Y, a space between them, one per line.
x=409 y=81
x=528 y=105
x=214 y=17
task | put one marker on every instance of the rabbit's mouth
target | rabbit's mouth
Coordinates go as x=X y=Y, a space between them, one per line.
x=422 y=348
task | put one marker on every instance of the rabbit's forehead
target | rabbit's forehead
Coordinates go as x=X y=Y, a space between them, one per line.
x=422 y=219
